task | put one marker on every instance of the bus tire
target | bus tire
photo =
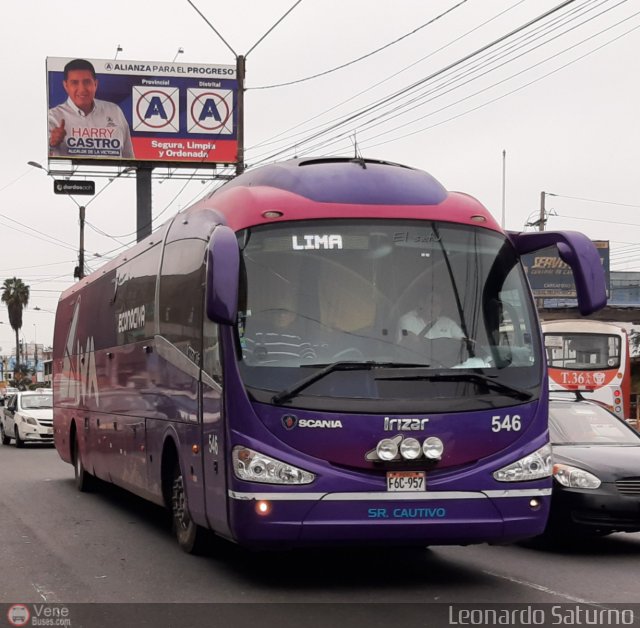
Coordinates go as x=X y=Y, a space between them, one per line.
x=85 y=482
x=16 y=436
x=3 y=435
x=190 y=536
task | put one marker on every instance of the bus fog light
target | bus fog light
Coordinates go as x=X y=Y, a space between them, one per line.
x=410 y=449
x=534 y=504
x=433 y=448
x=387 y=449
x=263 y=507
x=532 y=467
x=253 y=466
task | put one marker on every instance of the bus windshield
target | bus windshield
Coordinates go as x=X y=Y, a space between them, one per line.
x=583 y=351
x=404 y=299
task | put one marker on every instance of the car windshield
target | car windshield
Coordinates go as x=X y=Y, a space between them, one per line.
x=577 y=422
x=33 y=402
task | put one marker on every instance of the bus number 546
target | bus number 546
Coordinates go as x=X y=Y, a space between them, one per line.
x=508 y=423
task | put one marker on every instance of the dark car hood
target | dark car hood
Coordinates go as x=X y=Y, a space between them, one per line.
x=608 y=462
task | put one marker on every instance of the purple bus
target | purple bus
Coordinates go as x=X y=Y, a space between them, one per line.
x=265 y=366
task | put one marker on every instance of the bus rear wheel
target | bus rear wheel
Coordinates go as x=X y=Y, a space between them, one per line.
x=190 y=536
x=85 y=482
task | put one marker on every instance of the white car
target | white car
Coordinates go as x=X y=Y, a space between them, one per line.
x=27 y=418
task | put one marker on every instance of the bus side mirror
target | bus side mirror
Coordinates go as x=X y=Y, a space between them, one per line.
x=223 y=272
x=576 y=250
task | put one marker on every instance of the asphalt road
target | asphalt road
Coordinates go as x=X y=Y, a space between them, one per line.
x=62 y=546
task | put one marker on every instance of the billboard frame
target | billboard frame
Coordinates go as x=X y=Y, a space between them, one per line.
x=211 y=144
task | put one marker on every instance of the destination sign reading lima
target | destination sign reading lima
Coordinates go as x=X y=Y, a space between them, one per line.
x=68 y=186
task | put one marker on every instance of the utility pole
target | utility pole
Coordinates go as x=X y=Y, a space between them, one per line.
x=504 y=187
x=35 y=352
x=240 y=74
x=542 y=212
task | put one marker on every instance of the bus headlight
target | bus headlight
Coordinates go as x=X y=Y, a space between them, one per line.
x=253 y=466
x=532 y=467
x=572 y=477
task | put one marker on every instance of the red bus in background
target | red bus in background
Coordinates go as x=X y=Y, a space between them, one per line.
x=591 y=356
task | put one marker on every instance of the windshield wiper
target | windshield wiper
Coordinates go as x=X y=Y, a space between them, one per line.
x=512 y=391
x=292 y=391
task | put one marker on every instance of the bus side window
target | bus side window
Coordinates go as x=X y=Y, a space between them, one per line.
x=211 y=349
x=182 y=296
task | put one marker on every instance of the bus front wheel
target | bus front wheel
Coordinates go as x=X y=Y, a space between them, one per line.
x=190 y=536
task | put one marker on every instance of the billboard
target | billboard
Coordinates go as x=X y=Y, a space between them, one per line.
x=135 y=111
x=549 y=276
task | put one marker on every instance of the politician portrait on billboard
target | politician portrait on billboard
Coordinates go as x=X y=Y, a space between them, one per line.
x=84 y=126
x=141 y=111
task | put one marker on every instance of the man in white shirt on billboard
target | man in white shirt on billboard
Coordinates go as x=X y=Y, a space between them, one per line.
x=83 y=126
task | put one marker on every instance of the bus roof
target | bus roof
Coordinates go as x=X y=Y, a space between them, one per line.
x=581 y=325
x=321 y=188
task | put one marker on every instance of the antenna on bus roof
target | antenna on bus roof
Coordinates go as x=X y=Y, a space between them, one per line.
x=357 y=158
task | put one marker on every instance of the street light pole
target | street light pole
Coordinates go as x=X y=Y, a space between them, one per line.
x=79 y=271
x=542 y=212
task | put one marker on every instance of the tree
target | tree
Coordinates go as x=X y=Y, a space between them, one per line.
x=16 y=295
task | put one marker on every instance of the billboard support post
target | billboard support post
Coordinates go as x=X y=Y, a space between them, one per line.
x=240 y=71
x=143 y=201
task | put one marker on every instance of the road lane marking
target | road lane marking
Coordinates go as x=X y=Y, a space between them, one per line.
x=544 y=589
x=47 y=596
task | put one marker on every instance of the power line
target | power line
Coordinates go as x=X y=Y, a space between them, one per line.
x=272 y=140
x=24 y=174
x=435 y=90
x=364 y=145
x=609 y=222
x=517 y=89
x=403 y=92
x=591 y=200
x=365 y=56
x=31 y=232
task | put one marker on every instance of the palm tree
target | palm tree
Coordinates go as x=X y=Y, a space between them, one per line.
x=16 y=295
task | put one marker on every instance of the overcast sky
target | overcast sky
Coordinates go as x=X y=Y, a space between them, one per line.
x=561 y=98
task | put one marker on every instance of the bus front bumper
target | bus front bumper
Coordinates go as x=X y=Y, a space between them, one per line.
x=278 y=519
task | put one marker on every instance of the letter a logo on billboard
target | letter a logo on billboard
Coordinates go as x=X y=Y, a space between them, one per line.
x=210 y=111
x=156 y=110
